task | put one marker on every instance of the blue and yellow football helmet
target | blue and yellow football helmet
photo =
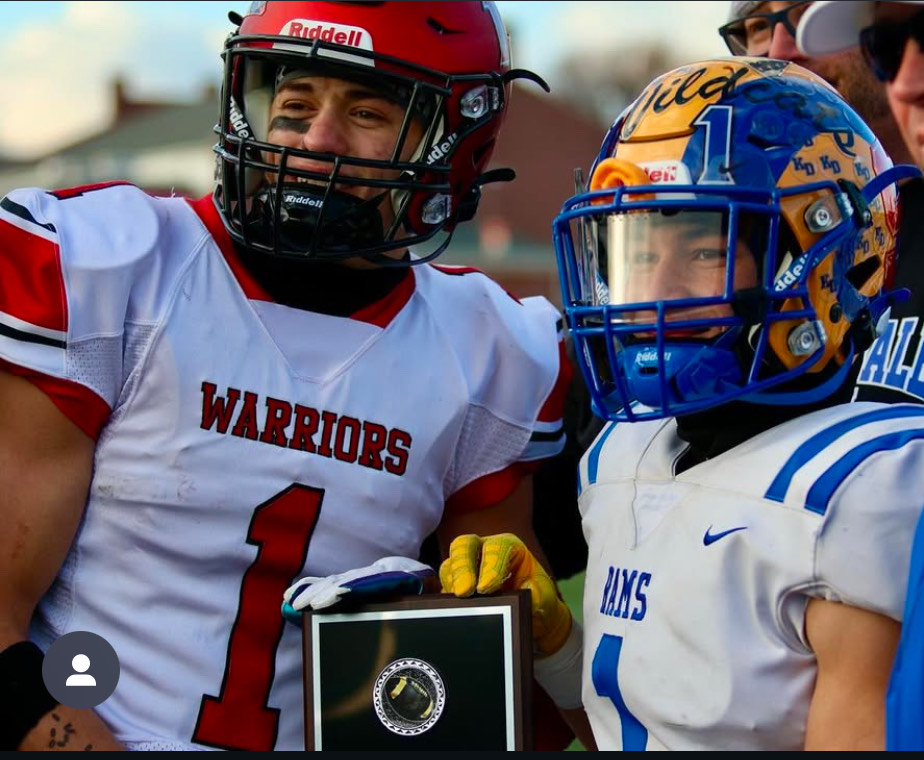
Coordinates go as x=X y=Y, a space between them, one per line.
x=736 y=241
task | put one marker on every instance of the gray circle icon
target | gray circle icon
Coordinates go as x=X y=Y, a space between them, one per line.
x=80 y=669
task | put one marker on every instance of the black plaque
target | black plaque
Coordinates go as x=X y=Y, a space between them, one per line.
x=429 y=672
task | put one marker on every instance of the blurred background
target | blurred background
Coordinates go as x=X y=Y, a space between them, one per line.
x=98 y=91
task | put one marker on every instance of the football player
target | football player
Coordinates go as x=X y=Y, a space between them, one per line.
x=203 y=401
x=748 y=531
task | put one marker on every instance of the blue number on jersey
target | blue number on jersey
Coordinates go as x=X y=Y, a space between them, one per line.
x=605 y=672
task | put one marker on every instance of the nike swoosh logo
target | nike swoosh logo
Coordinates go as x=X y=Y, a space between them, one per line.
x=711 y=538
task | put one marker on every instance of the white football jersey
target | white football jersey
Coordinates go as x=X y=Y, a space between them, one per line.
x=697 y=583
x=243 y=444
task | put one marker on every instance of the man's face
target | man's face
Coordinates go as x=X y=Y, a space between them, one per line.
x=655 y=257
x=906 y=92
x=847 y=72
x=335 y=116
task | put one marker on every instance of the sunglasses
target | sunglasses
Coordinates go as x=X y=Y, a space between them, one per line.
x=752 y=34
x=884 y=44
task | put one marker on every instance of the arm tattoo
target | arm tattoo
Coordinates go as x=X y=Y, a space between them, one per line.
x=62 y=737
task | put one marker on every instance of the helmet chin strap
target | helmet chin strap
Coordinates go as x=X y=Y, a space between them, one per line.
x=809 y=396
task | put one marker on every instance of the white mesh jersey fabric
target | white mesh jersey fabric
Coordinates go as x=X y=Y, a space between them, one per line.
x=484 y=441
x=97 y=364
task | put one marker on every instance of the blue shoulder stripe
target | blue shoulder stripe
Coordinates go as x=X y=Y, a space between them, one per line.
x=593 y=459
x=823 y=489
x=820 y=441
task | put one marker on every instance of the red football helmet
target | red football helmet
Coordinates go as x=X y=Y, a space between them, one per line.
x=446 y=63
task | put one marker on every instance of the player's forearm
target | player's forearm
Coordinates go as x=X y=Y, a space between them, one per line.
x=65 y=728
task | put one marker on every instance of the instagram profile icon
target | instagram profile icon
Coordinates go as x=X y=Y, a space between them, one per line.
x=81 y=669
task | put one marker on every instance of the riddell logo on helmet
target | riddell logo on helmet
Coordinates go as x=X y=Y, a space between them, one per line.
x=667 y=172
x=339 y=34
x=441 y=149
x=303 y=200
x=789 y=276
x=238 y=122
x=649 y=357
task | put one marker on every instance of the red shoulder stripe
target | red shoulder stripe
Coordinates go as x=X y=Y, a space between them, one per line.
x=73 y=192
x=31 y=281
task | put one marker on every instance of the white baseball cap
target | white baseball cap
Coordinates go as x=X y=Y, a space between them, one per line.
x=830 y=26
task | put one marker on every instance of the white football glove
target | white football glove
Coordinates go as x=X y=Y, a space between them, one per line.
x=383 y=577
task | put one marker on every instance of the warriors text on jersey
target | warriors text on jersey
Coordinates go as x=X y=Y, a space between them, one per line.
x=697 y=583
x=242 y=444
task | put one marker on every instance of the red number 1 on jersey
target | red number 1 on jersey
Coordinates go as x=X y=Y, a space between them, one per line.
x=239 y=718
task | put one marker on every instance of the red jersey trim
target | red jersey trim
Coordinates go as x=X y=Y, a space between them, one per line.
x=456 y=271
x=206 y=211
x=31 y=282
x=383 y=311
x=379 y=314
x=554 y=407
x=77 y=402
x=63 y=194
x=490 y=489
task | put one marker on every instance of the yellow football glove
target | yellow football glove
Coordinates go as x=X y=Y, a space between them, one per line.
x=489 y=564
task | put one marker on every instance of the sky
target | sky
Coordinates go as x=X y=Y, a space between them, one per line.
x=60 y=58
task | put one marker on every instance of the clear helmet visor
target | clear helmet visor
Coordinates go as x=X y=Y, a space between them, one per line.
x=680 y=264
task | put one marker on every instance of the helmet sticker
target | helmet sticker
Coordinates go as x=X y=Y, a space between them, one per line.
x=239 y=122
x=325 y=31
x=667 y=172
x=678 y=88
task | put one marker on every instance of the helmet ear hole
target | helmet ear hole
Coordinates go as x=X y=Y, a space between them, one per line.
x=860 y=274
